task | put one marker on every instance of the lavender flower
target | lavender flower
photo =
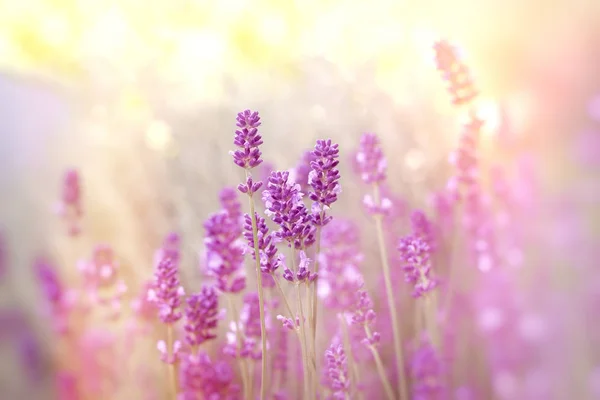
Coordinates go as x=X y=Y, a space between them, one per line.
x=56 y=302
x=415 y=256
x=224 y=252
x=201 y=316
x=283 y=203
x=370 y=161
x=166 y=292
x=464 y=158
x=323 y=178
x=339 y=278
x=426 y=372
x=169 y=249
x=337 y=372
x=202 y=378
x=247 y=139
x=302 y=170
x=230 y=203
x=455 y=72
x=363 y=314
x=422 y=227
x=303 y=274
x=270 y=260
x=70 y=207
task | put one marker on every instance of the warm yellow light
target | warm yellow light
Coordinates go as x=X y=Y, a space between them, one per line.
x=158 y=136
x=489 y=111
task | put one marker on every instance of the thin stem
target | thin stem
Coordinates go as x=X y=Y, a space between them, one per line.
x=283 y=296
x=302 y=332
x=313 y=316
x=261 y=303
x=380 y=369
x=171 y=367
x=391 y=302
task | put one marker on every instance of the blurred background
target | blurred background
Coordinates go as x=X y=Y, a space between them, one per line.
x=141 y=97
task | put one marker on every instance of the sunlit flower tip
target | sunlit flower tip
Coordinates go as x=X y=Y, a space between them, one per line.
x=455 y=72
x=165 y=355
x=248 y=140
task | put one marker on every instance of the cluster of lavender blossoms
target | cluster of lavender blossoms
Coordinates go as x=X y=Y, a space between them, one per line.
x=292 y=304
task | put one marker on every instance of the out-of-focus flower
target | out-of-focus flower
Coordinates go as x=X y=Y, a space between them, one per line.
x=364 y=315
x=57 y=302
x=426 y=372
x=370 y=161
x=201 y=316
x=455 y=73
x=339 y=277
x=166 y=292
x=202 y=378
x=225 y=252
x=337 y=372
x=70 y=206
x=415 y=255
x=302 y=170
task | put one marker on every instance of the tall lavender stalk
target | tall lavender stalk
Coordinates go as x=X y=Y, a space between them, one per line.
x=372 y=166
x=248 y=156
x=323 y=179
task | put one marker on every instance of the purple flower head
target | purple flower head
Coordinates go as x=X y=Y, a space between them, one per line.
x=247 y=140
x=230 y=202
x=169 y=249
x=201 y=378
x=166 y=292
x=370 y=161
x=339 y=279
x=303 y=274
x=224 y=252
x=455 y=73
x=70 y=203
x=324 y=179
x=415 y=255
x=283 y=203
x=201 y=316
x=50 y=283
x=302 y=170
x=337 y=372
x=464 y=157
x=426 y=371
x=289 y=323
x=270 y=260
x=422 y=227
x=363 y=314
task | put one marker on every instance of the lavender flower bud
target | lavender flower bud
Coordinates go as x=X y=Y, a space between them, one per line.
x=247 y=140
x=337 y=371
x=323 y=178
x=415 y=256
x=201 y=316
x=166 y=292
